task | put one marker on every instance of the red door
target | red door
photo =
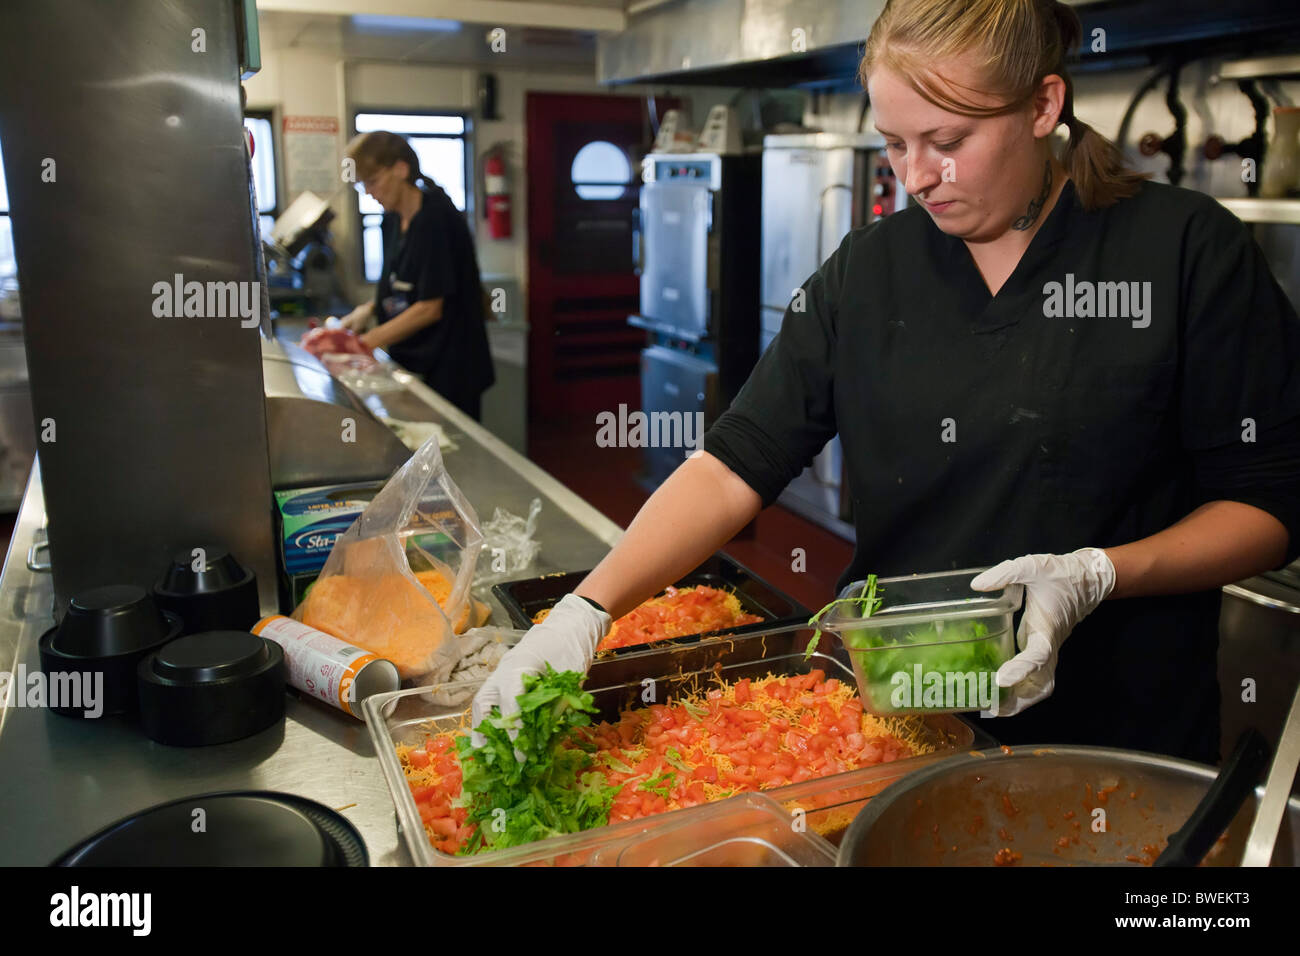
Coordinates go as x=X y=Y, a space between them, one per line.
x=583 y=168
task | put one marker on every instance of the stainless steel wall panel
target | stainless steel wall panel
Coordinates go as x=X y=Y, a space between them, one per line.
x=792 y=181
x=160 y=422
x=704 y=34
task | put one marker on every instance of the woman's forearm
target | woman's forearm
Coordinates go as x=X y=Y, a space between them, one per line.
x=405 y=324
x=697 y=510
x=1218 y=543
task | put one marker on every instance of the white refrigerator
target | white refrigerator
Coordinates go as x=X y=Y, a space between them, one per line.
x=817 y=187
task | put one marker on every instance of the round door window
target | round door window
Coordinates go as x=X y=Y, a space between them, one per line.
x=600 y=171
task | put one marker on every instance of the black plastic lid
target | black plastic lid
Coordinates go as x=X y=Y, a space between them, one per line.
x=211 y=688
x=218 y=572
x=213 y=656
x=111 y=620
x=221 y=594
x=247 y=828
x=103 y=636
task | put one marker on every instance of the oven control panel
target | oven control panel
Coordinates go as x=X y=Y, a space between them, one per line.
x=687 y=169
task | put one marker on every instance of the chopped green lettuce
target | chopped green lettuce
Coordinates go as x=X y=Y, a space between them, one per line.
x=553 y=790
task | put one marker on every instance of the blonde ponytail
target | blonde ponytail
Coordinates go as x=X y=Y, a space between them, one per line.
x=1101 y=176
x=1019 y=42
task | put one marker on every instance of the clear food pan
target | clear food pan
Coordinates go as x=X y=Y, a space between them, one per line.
x=407 y=717
x=931 y=645
x=827 y=805
x=746 y=830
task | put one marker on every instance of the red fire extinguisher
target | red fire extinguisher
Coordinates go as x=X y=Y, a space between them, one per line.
x=497 y=191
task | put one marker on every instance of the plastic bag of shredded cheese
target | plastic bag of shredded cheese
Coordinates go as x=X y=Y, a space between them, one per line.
x=397 y=582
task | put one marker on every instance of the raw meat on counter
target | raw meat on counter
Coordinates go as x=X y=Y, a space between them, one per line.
x=320 y=341
x=341 y=351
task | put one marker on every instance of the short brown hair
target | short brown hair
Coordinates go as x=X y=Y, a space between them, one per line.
x=1017 y=42
x=379 y=150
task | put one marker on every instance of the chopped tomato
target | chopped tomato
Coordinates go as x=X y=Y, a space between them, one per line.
x=707 y=774
x=447 y=765
x=443 y=826
x=422 y=792
x=419 y=758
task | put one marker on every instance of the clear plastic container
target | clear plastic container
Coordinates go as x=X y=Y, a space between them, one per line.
x=408 y=716
x=829 y=804
x=746 y=830
x=932 y=646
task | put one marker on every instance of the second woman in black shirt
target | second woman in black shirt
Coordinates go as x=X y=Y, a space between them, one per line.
x=429 y=301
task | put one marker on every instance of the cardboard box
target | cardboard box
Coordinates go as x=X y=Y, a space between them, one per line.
x=308 y=522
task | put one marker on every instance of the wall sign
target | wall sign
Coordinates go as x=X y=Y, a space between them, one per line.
x=311 y=157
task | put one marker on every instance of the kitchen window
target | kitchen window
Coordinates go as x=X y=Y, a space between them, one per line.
x=268 y=196
x=440 y=140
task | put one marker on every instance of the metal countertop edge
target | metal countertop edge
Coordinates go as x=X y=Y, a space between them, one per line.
x=1242 y=590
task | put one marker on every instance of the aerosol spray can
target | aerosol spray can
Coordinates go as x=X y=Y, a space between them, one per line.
x=325 y=667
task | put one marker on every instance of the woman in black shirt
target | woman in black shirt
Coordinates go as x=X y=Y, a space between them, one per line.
x=429 y=302
x=1043 y=356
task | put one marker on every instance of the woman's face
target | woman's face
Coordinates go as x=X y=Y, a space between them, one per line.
x=385 y=185
x=975 y=176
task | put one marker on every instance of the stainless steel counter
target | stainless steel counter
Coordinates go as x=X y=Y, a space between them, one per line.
x=62 y=779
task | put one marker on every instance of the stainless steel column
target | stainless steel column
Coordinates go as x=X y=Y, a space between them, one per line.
x=126 y=165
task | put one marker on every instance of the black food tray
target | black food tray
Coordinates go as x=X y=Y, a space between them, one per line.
x=522 y=599
x=779 y=652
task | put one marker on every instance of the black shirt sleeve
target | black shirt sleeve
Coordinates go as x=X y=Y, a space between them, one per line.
x=1264 y=473
x=1241 y=337
x=1240 y=389
x=785 y=414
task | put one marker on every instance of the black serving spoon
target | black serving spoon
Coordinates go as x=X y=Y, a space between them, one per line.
x=1236 y=781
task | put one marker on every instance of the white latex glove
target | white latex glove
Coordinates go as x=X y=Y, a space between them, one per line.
x=566 y=640
x=357 y=320
x=1060 y=591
